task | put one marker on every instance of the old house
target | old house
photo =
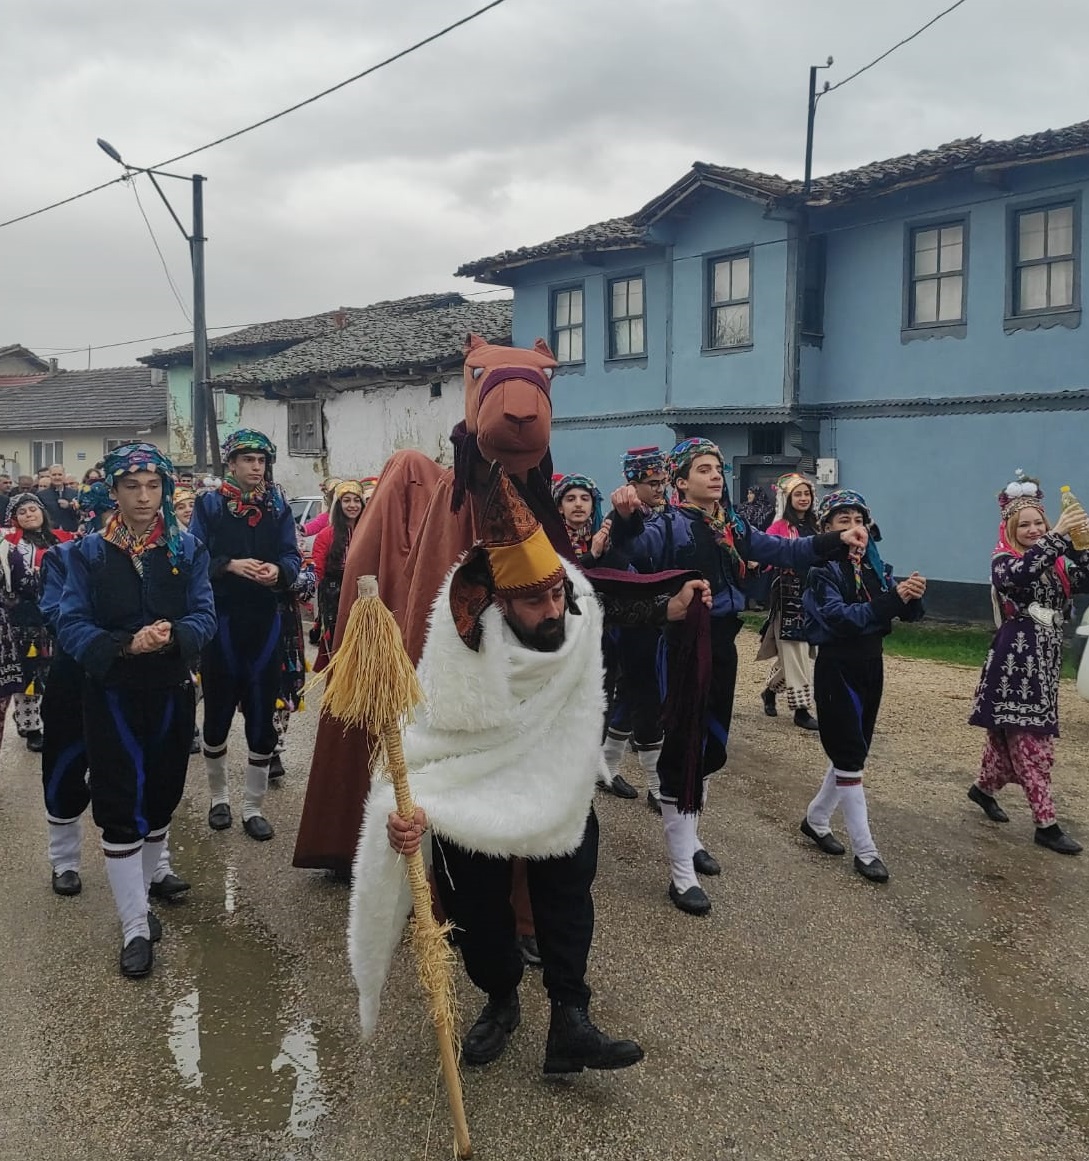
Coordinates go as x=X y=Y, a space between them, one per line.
x=376 y=379
x=910 y=328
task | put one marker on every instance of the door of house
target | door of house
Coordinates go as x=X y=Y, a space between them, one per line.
x=762 y=470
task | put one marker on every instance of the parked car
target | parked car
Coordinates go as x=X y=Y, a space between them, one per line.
x=305 y=508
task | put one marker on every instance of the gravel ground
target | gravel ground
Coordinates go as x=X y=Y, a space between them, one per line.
x=811 y=1016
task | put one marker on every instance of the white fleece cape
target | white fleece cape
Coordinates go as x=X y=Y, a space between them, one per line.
x=503 y=758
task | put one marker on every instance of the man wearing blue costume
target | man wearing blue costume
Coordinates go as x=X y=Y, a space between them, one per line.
x=134 y=613
x=703 y=532
x=250 y=534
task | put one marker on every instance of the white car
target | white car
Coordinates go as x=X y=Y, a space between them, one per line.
x=303 y=510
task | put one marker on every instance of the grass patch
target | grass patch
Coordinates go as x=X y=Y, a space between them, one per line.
x=934 y=641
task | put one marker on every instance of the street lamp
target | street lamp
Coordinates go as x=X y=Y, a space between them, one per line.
x=203 y=407
x=812 y=114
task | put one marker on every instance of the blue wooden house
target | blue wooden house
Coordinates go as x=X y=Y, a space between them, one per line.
x=911 y=328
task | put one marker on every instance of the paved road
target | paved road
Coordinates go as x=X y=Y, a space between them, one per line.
x=812 y=1016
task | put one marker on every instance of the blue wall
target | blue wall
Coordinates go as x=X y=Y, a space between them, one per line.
x=863 y=356
x=598 y=451
x=933 y=482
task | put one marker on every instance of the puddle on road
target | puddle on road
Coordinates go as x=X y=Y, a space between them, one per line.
x=234 y=1034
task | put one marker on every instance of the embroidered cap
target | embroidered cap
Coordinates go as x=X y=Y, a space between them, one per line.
x=640 y=462
x=843 y=498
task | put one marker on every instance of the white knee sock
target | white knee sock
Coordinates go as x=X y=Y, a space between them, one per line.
x=65 y=843
x=154 y=845
x=680 y=837
x=256 y=785
x=853 y=800
x=215 y=763
x=820 y=810
x=703 y=806
x=648 y=760
x=124 y=869
x=163 y=867
x=613 y=750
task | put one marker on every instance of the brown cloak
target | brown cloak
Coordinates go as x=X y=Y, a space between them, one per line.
x=340 y=769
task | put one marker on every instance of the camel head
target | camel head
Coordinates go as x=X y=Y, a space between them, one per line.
x=508 y=403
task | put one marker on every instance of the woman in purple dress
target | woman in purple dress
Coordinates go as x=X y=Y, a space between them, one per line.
x=1034 y=572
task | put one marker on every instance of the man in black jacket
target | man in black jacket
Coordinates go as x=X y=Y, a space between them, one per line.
x=62 y=503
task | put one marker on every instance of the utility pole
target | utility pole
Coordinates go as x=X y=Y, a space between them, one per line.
x=199 y=398
x=811 y=118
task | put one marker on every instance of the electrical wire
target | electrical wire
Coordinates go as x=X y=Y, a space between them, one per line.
x=890 y=51
x=162 y=259
x=275 y=116
x=132 y=342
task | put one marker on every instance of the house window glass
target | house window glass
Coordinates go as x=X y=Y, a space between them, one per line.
x=1044 y=259
x=219 y=400
x=109 y=444
x=46 y=452
x=937 y=275
x=627 y=319
x=730 y=322
x=765 y=441
x=305 y=435
x=567 y=325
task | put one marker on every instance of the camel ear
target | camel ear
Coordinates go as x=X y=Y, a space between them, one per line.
x=542 y=348
x=473 y=341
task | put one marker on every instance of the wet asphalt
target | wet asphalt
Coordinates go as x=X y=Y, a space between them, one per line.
x=811 y=1016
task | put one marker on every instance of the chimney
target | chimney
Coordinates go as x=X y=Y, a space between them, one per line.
x=54 y=365
x=340 y=318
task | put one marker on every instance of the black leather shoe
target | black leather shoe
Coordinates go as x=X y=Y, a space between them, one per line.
x=705 y=863
x=35 y=742
x=258 y=828
x=168 y=887
x=654 y=803
x=694 y=901
x=219 y=817
x=67 y=883
x=827 y=842
x=531 y=953
x=137 y=958
x=574 y=1043
x=768 y=699
x=154 y=926
x=804 y=720
x=275 y=767
x=314 y=634
x=988 y=804
x=875 y=870
x=1057 y=840
x=487 y=1039
x=620 y=787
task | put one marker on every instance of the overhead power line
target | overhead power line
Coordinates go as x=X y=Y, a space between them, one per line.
x=275 y=116
x=890 y=51
x=131 y=342
x=162 y=259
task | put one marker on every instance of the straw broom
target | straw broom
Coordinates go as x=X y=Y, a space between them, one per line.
x=370 y=683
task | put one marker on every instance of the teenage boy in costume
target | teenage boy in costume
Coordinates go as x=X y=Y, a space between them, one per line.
x=247 y=525
x=703 y=532
x=135 y=611
x=849 y=608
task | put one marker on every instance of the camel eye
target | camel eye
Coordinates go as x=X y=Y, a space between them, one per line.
x=477 y=372
x=548 y=371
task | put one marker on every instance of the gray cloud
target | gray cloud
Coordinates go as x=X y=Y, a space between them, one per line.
x=536 y=119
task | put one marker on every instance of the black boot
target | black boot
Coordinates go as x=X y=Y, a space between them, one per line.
x=988 y=804
x=769 y=703
x=35 y=741
x=489 y=1036
x=574 y=1043
x=620 y=787
x=275 y=767
x=1056 y=839
x=804 y=720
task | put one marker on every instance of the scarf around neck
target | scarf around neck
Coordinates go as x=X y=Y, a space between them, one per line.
x=119 y=534
x=723 y=529
x=250 y=505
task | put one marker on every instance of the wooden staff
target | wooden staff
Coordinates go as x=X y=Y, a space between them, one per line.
x=371 y=683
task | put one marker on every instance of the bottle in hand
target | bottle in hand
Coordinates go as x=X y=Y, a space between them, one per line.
x=1078 y=539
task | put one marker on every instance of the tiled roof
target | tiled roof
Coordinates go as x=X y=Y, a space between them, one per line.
x=120 y=397
x=615 y=234
x=286 y=332
x=386 y=337
x=834 y=189
x=18 y=351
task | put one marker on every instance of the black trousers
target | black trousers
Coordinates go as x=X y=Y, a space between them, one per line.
x=241 y=666
x=638 y=708
x=475 y=893
x=720 y=708
x=64 y=753
x=847 y=693
x=138 y=751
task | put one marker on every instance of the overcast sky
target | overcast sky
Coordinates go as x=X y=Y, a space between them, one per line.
x=539 y=117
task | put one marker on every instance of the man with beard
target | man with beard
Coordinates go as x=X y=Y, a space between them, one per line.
x=504 y=759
